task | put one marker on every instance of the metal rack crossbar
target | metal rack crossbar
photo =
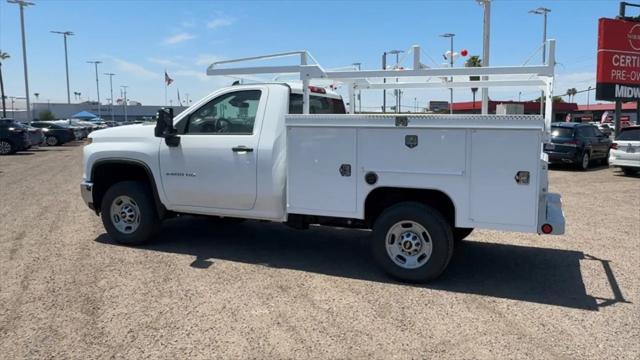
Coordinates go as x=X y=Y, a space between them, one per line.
x=540 y=76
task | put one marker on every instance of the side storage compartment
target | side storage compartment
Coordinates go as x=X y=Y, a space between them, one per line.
x=504 y=178
x=321 y=171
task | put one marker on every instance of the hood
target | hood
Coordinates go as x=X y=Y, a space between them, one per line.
x=135 y=132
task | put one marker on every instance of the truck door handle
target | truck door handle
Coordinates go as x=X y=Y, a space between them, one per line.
x=241 y=148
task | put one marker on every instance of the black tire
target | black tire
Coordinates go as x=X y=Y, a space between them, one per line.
x=582 y=163
x=7 y=147
x=149 y=222
x=460 y=234
x=433 y=222
x=629 y=171
x=52 y=140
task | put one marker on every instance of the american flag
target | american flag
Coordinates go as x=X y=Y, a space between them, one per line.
x=167 y=79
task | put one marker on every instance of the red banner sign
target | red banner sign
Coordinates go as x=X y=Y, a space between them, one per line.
x=618 y=69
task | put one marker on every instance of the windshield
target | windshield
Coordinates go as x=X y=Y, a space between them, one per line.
x=631 y=135
x=561 y=132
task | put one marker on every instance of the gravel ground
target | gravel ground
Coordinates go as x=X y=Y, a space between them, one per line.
x=258 y=290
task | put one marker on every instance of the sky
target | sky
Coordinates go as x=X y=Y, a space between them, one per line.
x=138 y=40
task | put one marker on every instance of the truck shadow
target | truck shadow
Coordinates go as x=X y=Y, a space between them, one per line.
x=538 y=275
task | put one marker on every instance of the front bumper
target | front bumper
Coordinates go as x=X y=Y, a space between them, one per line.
x=86 y=190
x=553 y=215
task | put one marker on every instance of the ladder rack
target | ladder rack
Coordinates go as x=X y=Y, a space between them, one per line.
x=540 y=76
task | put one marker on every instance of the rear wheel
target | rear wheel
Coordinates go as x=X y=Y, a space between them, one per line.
x=412 y=242
x=605 y=161
x=6 y=147
x=129 y=213
x=584 y=161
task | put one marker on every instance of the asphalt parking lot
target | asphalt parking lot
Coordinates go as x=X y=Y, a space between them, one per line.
x=258 y=290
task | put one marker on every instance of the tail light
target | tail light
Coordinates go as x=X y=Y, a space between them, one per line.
x=547 y=229
x=317 y=89
x=614 y=146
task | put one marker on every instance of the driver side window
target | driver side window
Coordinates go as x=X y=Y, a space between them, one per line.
x=232 y=113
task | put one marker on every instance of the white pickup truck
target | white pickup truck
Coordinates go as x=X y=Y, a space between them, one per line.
x=420 y=182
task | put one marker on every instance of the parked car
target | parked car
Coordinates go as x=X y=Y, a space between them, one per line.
x=605 y=129
x=13 y=137
x=578 y=144
x=625 y=151
x=36 y=136
x=55 y=134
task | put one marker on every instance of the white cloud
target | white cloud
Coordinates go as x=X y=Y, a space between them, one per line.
x=178 y=38
x=206 y=59
x=220 y=21
x=133 y=69
x=163 y=62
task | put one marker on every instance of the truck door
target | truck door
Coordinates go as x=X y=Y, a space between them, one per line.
x=215 y=164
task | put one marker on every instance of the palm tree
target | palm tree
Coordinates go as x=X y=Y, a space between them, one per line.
x=3 y=56
x=571 y=92
x=473 y=61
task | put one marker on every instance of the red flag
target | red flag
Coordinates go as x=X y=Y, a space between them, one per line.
x=167 y=79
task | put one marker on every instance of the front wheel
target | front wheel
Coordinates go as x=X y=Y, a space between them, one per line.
x=412 y=242
x=52 y=141
x=129 y=213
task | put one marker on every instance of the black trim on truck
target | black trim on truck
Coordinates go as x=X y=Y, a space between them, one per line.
x=128 y=170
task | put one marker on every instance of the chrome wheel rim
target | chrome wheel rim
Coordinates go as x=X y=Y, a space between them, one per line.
x=52 y=140
x=5 y=147
x=408 y=244
x=125 y=214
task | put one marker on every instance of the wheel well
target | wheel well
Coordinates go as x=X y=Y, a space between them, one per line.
x=382 y=198
x=105 y=174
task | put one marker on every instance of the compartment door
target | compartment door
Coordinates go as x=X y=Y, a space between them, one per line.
x=315 y=182
x=495 y=195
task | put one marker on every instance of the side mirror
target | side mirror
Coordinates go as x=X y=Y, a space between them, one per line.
x=164 y=127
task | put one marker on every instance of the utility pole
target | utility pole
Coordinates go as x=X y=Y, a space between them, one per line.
x=110 y=75
x=486 y=35
x=97 y=85
x=124 y=87
x=450 y=36
x=358 y=65
x=23 y=4
x=542 y=11
x=384 y=80
x=66 y=60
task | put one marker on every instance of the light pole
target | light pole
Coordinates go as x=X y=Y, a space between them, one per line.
x=124 y=101
x=395 y=91
x=66 y=59
x=519 y=94
x=23 y=4
x=450 y=36
x=97 y=85
x=358 y=65
x=542 y=11
x=486 y=35
x=110 y=75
